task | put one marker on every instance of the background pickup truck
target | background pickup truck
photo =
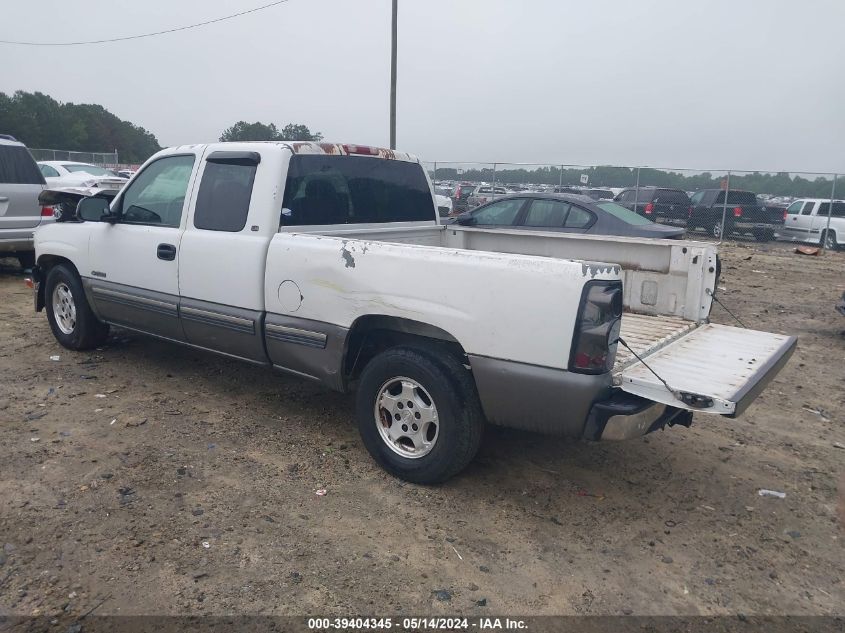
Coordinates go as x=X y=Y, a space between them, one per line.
x=327 y=262
x=743 y=214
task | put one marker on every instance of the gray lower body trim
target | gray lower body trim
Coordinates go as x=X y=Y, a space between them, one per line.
x=199 y=347
x=146 y=310
x=229 y=330
x=536 y=398
x=17 y=243
x=311 y=349
x=295 y=335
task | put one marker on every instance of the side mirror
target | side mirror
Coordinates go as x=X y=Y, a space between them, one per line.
x=466 y=219
x=94 y=210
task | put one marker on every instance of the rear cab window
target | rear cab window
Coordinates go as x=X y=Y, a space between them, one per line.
x=737 y=197
x=671 y=196
x=323 y=189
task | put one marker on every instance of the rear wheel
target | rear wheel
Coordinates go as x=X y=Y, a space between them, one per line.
x=716 y=229
x=418 y=414
x=829 y=241
x=764 y=235
x=73 y=323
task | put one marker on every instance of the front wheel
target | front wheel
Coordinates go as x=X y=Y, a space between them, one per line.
x=73 y=323
x=419 y=414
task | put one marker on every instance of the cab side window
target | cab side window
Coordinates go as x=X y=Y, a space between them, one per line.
x=157 y=195
x=808 y=208
x=224 y=195
x=794 y=208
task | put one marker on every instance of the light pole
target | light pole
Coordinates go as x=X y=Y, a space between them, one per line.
x=393 y=77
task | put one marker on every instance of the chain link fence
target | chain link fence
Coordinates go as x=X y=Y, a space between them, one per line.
x=710 y=204
x=103 y=159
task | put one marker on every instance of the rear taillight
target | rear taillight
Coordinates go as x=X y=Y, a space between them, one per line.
x=597 y=328
x=649 y=208
x=784 y=215
x=737 y=212
x=689 y=211
x=48 y=212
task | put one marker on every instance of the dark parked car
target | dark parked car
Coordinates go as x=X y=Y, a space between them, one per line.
x=656 y=202
x=742 y=214
x=565 y=212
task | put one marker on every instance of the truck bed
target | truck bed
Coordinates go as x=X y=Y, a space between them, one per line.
x=646 y=333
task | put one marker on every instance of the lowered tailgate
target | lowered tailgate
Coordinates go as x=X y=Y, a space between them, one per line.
x=711 y=368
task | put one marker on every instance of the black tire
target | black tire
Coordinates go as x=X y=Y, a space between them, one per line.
x=717 y=230
x=87 y=332
x=764 y=235
x=452 y=390
x=832 y=243
x=26 y=259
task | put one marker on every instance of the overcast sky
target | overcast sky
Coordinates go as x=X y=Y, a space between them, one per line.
x=748 y=84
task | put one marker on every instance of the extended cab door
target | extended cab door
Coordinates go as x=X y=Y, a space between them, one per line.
x=134 y=276
x=235 y=212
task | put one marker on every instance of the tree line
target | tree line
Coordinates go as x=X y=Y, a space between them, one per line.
x=778 y=184
x=243 y=131
x=39 y=121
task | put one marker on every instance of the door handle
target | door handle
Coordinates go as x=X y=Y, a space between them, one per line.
x=4 y=199
x=166 y=252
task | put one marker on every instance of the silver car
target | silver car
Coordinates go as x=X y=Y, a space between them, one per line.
x=20 y=213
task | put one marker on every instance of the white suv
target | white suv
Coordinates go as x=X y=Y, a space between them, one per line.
x=21 y=183
x=807 y=221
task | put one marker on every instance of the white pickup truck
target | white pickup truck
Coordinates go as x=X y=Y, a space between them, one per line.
x=328 y=262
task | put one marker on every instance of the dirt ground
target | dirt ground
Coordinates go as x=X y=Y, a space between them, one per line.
x=145 y=478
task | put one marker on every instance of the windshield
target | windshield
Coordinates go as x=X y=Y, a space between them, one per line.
x=623 y=214
x=94 y=170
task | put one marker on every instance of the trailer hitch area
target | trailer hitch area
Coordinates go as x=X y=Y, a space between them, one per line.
x=695 y=400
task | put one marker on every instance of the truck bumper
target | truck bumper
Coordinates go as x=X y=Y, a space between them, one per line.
x=623 y=417
x=559 y=402
x=533 y=398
